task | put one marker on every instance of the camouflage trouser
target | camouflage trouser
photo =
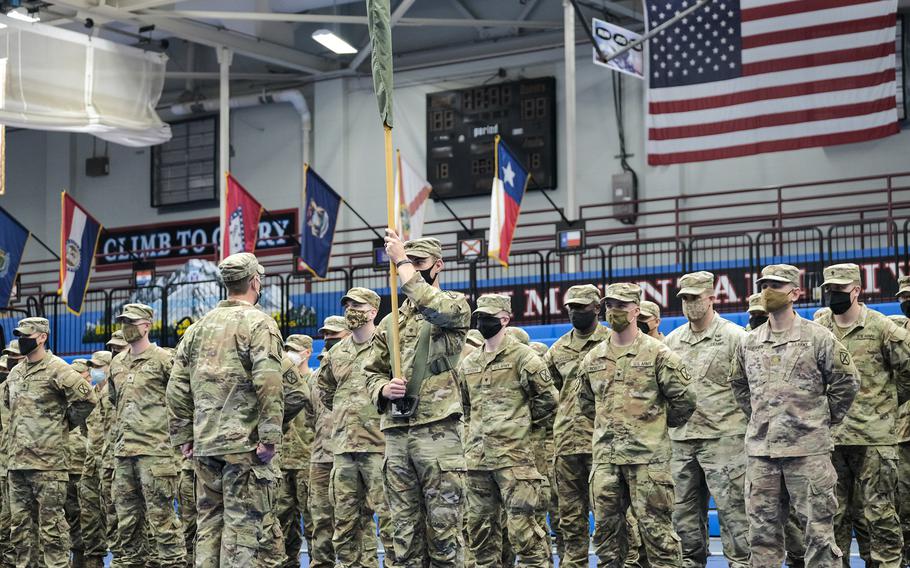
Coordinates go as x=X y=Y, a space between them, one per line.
x=143 y=492
x=110 y=512
x=291 y=507
x=866 y=485
x=423 y=474
x=357 y=481
x=794 y=539
x=903 y=494
x=186 y=501
x=322 y=553
x=637 y=557
x=39 y=496
x=235 y=507
x=810 y=483
x=71 y=509
x=4 y=522
x=516 y=490
x=704 y=468
x=648 y=490
x=548 y=505
x=573 y=495
x=91 y=516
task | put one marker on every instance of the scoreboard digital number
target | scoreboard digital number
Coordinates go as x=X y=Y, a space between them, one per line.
x=462 y=124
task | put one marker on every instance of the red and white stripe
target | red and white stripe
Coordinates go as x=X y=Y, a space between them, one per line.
x=815 y=73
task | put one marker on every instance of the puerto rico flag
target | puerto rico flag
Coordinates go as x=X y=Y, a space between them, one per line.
x=241 y=223
x=79 y=234
x=509 y=185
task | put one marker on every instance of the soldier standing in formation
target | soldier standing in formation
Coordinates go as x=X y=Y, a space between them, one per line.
x=92 y=513
x=795 y=382
x=225 y=400
x=358 y=441
x=425 y=463
x=708 y=454
x=634 y=388
x=45 y=399
x=506 y=392
x=865 y=445
x=145 y=471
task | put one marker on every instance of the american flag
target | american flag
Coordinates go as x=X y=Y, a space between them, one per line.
x=742 y=77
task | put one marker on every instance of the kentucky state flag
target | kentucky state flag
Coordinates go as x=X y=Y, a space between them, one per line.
x=321 y=205
x=509 y=185
x=242 y=213
x=13 y=237
x=79 y=234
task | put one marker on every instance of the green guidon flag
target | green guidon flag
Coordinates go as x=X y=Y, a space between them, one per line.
x=379 y=16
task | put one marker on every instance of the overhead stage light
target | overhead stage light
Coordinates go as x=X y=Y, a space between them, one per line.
x=333 y=42
x=23 y=15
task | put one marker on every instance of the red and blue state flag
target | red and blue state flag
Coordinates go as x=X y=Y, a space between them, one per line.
x=241 y=223
x=79 y=234
x=509 y=184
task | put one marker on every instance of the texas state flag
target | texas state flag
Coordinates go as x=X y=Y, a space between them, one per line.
x=79 y=234
x=509 y=185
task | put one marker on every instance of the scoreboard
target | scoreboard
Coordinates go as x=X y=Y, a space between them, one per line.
x=462 y=124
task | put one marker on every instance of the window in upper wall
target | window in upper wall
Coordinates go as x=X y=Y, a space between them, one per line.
x=185 y=169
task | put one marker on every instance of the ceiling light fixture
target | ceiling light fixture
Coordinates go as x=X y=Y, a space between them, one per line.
x=23 y=15
x=333 y=42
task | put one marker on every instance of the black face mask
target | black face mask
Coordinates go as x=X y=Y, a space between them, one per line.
x=582 y=321
x=756 y=321
x=905 y=308
x=839 y=302
x=27 y=345
x=488 y=326
x=427 y=276
x=644 y=327
x=329 y=343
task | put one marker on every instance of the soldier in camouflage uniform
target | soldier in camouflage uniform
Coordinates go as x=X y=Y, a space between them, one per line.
x=794 y=381
x=92 y=516
x=116 y=345
x=757 y=312
x=506 y=392
x=76 y=447
x=572 y=430
x=649 y=320
x=634 y=388
x=226 y=405
x=5 y=367
x=865 y=444
x=425 y=465
x=903 y=429
x=294 y=461
x=357 y=440
x=145 y=471
x=709 y=457
x=46 y=399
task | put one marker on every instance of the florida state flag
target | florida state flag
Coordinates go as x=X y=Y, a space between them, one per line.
x=241 y=223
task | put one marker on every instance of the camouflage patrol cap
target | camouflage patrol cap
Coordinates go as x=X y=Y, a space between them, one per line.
x=298 y=342
x=492 y=304
x=239 y=266
x=624 y=292
x=136 y=312
x=696 y=283
x=362 y=296
x=903 y=285
x=28 y=326
x=474 y=338
x=13 y=349
x=649 y=310
x=539 y=348
x=519 y=334
x=117 y=340
x=780 y=273
x=841 y=274
x=583 y=294
x=100 y=359
x=422 y=248
x=333 y=324
x=756 y=305
x=4 y=363
x=79 y=365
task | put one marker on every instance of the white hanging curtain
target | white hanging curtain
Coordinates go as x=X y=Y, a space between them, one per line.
x=54 y=79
